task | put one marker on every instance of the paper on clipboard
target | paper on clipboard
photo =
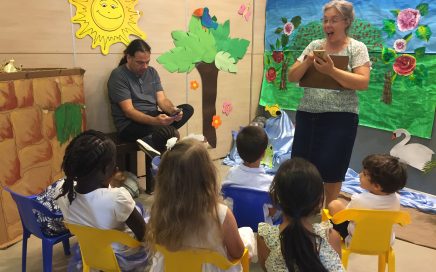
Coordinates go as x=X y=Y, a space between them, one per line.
x=314 y=79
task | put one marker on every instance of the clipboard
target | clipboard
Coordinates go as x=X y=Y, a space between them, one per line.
x=314 y=79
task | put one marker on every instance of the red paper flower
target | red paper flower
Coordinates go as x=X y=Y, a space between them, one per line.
x=216 y=121
x=271 y=74
x=404 y=65
x=277 y=56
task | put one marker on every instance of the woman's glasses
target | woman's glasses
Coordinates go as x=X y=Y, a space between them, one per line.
x=332 y=20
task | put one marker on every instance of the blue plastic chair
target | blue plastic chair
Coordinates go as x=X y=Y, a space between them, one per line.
x=26 y=205
x=247 y=205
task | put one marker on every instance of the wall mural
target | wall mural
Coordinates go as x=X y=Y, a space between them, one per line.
x=401 y=44
x=207 y=47
x=106 y=21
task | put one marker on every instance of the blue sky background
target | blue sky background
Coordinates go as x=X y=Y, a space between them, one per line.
x=373 y=11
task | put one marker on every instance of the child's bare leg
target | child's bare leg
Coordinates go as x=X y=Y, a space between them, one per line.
x=335 y=206
x=332 y=191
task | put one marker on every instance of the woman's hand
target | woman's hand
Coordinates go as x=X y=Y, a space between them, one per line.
x=324 y=66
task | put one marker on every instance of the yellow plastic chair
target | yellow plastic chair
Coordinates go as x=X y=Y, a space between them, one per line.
x=372 y=233
x=96 y=246
x=191 y=260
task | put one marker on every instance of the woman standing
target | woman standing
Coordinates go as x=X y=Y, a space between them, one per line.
x=326 y=120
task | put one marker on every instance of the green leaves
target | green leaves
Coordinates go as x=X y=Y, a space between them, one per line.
x=423 y=8
x=278 y=30
x=284 y=20
x=388 y=54
x=222 y=32
x=284 y=40
x=68 y=120
x=178 y=59
x=395 y=12
x=296 y=21
x=408 y=37
x=419 y=52
x=389 y=27
x=423 y=33
x=225 y=62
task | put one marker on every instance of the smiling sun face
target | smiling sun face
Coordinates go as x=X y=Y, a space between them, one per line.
x=106 y=21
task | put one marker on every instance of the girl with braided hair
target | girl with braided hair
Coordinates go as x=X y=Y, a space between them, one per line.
x=85 y=197
x=298 y=244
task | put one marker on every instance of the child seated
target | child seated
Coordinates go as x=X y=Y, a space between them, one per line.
x=382 y=175
x=187 y=212
x=251 y=143
x=297 y=244
x=85 y=198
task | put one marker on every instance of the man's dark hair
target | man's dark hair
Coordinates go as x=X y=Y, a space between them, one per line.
x=251 y=143
x=386 y=171
x=135 y=46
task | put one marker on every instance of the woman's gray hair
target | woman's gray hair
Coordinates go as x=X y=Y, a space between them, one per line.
x=345 y=8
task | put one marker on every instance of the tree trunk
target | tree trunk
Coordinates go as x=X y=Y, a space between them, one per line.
x=284 y=74
x=387 y=88
x=209 y=77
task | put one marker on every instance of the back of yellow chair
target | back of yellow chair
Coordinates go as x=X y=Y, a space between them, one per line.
x=373 y=228
x=372 y=233
x=96 y=246
x=192 y=260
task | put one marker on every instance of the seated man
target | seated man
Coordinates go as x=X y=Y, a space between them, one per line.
x=138 y=102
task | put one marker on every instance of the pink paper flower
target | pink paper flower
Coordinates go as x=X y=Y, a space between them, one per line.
x=277 y=56
x=408 y=19
x=400 y=45
x=404 y=65
x=227 y=107
x=271 y=74
x=288 y=28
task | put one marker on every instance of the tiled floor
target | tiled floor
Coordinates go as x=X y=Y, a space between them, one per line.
x=409 y=257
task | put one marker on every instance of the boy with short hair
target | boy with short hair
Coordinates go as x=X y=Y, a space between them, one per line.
x=382 y=175
x=251 y=143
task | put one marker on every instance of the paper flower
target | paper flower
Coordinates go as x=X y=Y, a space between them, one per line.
x=405 y=65
x=288 y=28
x=408 y=19
x=227 y=107
x=278 y=56
x=216 y=121
x=400 y=45
x=271 y=74
x=194 y=85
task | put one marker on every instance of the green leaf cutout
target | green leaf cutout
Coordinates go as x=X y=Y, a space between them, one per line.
x=68 y=120
x=296 y=21
x=237 y=48
x=395 y=12
x=423 y=8
x=178 y=59
x=389 y=27
x=388 y=54
x=222 y=32
x=225 y=62
x=284 y=20
x=278 y=30
x=423 y=33
x=419 y=52
x=407 y=37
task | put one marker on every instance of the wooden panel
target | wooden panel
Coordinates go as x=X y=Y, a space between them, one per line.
x=98 y=69
x=259 y=26
x=41 y=26
x=256 y=83
x=40 y=60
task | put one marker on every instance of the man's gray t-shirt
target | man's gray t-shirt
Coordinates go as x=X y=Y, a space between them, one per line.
x=123 y=84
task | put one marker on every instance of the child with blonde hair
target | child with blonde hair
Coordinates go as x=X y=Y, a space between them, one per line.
x=187 y=211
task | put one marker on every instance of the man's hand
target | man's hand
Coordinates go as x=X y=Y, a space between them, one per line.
x=164 y=120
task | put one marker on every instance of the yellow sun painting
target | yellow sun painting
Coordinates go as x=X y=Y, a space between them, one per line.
x=106 y=21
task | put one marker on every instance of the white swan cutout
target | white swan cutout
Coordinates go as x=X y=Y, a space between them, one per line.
x=415 y=155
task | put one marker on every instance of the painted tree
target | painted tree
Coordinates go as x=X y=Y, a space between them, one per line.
x=207 y=47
